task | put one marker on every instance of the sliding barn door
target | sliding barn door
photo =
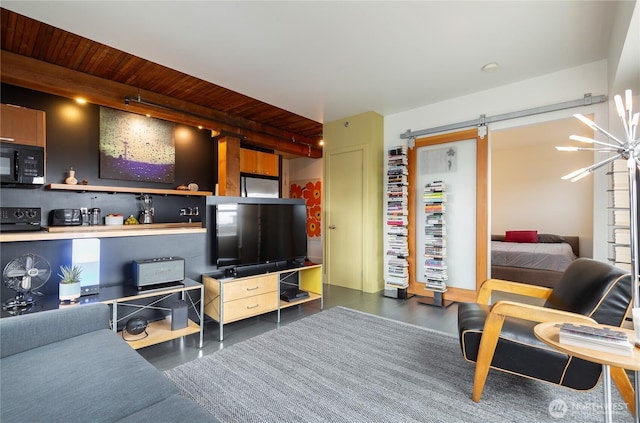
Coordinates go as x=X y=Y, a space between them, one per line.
x=459 y=160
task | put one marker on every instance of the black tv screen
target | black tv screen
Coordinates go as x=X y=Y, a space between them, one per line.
x=248 y=233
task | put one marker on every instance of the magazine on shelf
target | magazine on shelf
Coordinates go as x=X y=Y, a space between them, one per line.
x=397 y=251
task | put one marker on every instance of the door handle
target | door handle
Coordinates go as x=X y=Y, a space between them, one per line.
x=332 y=226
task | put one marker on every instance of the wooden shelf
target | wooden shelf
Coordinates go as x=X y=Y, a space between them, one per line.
x=311 y=297
x=103 y=231
x=106 y=228
x=160 y=331
x=132 y=190
x=122 y=294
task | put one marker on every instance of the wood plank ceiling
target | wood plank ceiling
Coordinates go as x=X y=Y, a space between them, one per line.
x=39 y=56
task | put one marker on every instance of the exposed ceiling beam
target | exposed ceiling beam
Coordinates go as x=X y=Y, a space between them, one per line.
x=46 y=77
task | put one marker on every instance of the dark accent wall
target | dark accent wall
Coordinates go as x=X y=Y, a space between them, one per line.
x=72 y=141
x=73 y=132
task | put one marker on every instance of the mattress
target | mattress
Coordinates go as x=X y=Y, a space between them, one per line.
x=547 y=256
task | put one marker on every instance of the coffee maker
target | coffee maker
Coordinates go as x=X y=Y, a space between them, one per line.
x=146 y=209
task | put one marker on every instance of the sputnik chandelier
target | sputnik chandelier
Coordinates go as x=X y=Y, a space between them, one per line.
x=629 y=150
x=624 y=150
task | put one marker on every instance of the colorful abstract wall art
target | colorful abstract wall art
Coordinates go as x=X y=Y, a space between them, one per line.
x=311 y=192
x=136 y=148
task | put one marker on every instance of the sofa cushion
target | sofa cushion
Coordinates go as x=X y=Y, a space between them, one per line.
x=173 y=409
x=91 y=377
x=22 y=333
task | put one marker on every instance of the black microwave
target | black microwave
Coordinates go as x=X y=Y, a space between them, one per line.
x=21 y=165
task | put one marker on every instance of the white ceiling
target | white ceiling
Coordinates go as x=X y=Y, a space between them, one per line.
x=328 y=60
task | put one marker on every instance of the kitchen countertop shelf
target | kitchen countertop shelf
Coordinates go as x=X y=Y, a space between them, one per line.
x=132 y=190
x=104 y=231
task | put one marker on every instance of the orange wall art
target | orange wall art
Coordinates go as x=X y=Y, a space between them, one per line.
x=311 y=192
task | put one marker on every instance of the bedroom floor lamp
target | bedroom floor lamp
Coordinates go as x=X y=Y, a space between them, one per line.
x=628 y=149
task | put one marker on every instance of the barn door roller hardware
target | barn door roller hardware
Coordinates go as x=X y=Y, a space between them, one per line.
x=483 y=120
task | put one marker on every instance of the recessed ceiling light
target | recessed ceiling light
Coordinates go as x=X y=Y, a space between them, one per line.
x=81 y=100
x=490 y=67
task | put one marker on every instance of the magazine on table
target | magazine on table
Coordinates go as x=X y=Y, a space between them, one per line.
x=596 y=338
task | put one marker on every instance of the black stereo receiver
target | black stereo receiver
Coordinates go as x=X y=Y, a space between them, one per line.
x=157 y=271
x=15 y=219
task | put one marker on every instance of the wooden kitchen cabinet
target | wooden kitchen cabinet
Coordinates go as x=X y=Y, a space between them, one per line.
x=20 y=125
x=259 y=163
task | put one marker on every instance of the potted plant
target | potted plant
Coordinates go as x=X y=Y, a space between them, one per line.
x=69 y=283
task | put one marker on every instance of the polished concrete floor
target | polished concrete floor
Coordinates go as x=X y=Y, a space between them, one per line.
x=173 y=353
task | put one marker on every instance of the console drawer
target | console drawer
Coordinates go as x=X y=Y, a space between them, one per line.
x=249 y=287
x=250 y=306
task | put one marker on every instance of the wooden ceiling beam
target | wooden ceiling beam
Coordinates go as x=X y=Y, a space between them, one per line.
x=53 y=79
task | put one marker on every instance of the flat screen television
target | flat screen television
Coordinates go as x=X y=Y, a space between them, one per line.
x=255 y=233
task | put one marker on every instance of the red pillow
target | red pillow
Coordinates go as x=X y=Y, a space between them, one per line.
x=521 y=236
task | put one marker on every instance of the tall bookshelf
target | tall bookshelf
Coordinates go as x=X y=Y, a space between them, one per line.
x=435 y=242
x=619 y=216
x=397 y=265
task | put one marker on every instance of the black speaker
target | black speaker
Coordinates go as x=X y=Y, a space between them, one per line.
x=136 y=325
x=157 y=271
x=179 y=314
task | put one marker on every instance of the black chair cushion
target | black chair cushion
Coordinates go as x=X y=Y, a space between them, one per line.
x=519 y=351
x=594 y=289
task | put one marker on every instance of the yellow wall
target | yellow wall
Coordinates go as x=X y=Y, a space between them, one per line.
x=364 y=130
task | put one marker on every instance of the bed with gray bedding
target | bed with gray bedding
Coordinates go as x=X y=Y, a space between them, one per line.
x=539 y=263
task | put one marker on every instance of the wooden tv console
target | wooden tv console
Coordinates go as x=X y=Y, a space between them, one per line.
x=231 y=299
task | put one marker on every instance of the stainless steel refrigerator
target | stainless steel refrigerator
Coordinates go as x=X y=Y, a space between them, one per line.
x=254 y=186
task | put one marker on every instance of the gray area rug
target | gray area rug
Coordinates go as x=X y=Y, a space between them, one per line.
x=342 y=365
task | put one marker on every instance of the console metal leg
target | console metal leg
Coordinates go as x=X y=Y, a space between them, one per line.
x=201 y=322
x=114 y=316
x=220 y=328
x=221 y=308
x=636 y=384
x=608 y=411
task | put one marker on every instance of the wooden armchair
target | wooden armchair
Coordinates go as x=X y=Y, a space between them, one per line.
x=500 y=336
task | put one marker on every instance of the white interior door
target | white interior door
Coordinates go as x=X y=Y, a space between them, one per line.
x=344 y=202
